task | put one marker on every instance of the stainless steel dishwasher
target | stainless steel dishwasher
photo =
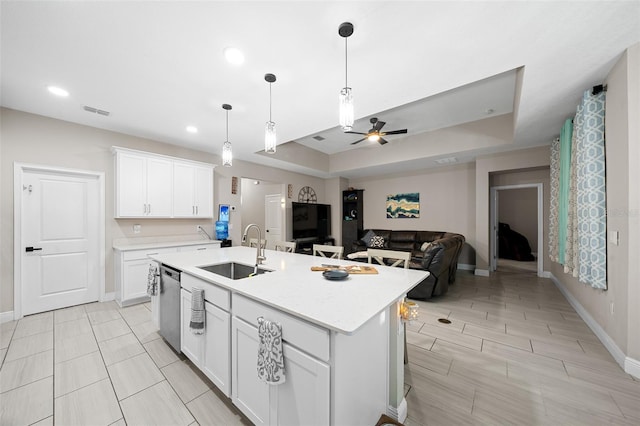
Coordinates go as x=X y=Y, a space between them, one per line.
x=169 y=301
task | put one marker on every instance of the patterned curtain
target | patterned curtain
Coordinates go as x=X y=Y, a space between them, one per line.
x=554 y=244
x=571 y=247
x=578 y=220
x=591 y=192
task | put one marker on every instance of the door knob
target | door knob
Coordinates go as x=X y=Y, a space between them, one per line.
x=30 y=249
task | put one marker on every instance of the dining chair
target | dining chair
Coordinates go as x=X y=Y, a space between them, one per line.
x=392 y=258
x=389 y=257
x=288 y=246
x=333 y=252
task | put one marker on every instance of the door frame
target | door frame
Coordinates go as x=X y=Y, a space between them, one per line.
x=18 y=170
x=493 y=224
x=282 y=210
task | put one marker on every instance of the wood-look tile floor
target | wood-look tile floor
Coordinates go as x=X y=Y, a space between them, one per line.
x=97 y=364
x=515 y=352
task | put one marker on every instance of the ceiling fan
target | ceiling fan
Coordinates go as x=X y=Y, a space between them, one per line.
x=375 y=134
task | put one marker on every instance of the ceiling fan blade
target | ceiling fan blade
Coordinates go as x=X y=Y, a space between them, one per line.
x=395 y=132
x=379 y=125
x=355 y=133
x=382 y=141
x=358 y=141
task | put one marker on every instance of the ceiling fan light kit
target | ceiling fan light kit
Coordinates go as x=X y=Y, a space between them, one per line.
x=270 y=128
x=227 y=154
x=376 y=134
x=346 y=95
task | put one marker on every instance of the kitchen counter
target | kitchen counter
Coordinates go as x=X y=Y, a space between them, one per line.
x=341 y=306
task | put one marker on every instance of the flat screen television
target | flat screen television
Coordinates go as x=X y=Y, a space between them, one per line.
x=310 y=220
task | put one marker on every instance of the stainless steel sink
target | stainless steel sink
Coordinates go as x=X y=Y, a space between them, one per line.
x=233 y=270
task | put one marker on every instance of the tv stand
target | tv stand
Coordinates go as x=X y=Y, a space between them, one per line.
x=305 y=245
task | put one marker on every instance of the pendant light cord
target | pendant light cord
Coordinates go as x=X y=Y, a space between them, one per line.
x=269 y=101
x=227 y=125
x=346 y=64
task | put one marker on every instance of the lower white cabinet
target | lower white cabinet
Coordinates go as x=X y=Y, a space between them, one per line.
x=209 y=351
x=304 y=397
x=132 y=271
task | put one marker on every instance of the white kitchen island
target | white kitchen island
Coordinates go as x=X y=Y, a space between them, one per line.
x=343 y=340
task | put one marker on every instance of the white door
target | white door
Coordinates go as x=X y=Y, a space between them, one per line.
x=272 y=219
x=203 y=193
x=159 y=187
x=217 y=347
x=60 y=236
x=190 y=344
x=183 y=187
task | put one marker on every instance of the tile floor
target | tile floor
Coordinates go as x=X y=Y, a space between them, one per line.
x=97 y=364
x=515 y=353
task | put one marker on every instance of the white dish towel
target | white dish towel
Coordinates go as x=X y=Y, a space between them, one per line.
x=196 y=325
x=270 y=355
x=152 y=280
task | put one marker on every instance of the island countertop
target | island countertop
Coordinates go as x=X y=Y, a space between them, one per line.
x=342 y=306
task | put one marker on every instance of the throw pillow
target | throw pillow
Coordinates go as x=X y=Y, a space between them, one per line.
x=377 y=242
x=424 y=246
x=367 y=238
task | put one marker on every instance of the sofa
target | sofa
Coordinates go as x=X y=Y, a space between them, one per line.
x=434 y=251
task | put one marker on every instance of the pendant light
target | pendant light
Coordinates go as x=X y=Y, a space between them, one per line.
x=227 y=155
x=346 y=96
x=270 y=128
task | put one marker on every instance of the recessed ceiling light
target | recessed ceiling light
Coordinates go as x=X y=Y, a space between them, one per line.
x=58 y=91
x=192 y=129
x=234 y=56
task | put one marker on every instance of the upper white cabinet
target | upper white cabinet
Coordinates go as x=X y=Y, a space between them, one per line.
x=192 y=190
x=143 y=186
x=151 y=185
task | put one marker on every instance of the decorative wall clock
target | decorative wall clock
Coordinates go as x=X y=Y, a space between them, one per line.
x=307 y=195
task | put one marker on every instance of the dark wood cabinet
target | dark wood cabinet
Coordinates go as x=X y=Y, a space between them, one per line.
x=352 y=217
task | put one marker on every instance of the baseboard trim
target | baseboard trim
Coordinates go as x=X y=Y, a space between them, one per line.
x=399 y=413
x=482 y=272
x=6 y=317
x=107 y=297
x=545 y=274
x=632 y=366
x=606 y=340
x=466 y=267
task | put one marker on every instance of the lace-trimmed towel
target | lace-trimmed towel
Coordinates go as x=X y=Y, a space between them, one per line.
x=196 y=325
x=270 y=356
x=152 y=280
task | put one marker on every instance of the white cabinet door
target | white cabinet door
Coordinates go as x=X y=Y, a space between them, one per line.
x=249 y=393
x=303 y=399
x=192 y=191
x=183 y=190
x=131 y=192
x=191 y=344
x=143 y=186
x=217 y=348
x=203 y=192
x=159 y=187
x=135 y=273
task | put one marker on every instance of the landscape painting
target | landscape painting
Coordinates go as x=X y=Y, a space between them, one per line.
x=401 y=206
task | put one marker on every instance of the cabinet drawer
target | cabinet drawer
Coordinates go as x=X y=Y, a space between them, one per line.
x=144 y=254
x=212 y=293
x=299 y=333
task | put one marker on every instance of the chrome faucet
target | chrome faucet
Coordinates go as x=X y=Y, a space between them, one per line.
x=259 y=250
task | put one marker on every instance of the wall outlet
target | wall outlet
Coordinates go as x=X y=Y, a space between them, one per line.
x=137 y=228
x=198 y=228
x=611 y=310
x=233 y=208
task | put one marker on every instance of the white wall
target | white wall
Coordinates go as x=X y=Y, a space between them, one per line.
x=447 y=202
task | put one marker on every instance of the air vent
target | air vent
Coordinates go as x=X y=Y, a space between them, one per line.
x=96 y=110
x=319 y=138
x=447 y=160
